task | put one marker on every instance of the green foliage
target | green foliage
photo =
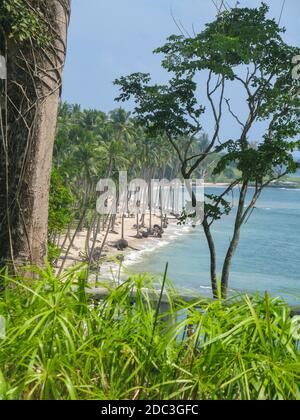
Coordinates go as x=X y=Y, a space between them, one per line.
x=53 y=252
x=258 y=164
x=168 y=108
x=240 y=40
x=216 y=207
x=22 y=22
x=91 y=145
x=59 y=346
x=241 y=48
x=237 y=37
x=61 y=204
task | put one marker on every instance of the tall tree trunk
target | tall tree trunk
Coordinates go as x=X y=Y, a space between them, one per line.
x=26 y=141
x=91 y=252
x=234 y=241
x=213 y=258
x=210 y=241
x=209 y=238
x=122 y=228
x=137 y=225
x=150 y=206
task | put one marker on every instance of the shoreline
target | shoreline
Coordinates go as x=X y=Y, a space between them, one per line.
x=112 y=258
x=109 y=264
x=144 y=247
x=283 y=185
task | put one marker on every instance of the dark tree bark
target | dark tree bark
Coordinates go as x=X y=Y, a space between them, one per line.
x=213 y=258
x=234 y=241
x=28 y=123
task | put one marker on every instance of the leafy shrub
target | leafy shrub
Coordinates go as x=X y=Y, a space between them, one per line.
x=62 y=344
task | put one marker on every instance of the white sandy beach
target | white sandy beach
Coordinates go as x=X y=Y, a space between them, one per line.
x=110 y=254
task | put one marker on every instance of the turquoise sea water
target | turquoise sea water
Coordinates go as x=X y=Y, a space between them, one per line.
x=268 y=257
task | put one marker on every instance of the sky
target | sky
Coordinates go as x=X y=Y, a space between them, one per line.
x=113 y=38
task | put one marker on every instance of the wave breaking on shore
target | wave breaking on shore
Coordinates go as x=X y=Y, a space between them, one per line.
x=115 y=270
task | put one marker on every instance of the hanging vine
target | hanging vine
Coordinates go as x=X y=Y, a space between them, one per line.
x=33 y=42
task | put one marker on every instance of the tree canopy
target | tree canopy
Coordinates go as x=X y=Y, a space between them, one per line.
x=241 y=47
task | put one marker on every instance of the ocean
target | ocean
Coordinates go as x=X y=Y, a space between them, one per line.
x=267 y=259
